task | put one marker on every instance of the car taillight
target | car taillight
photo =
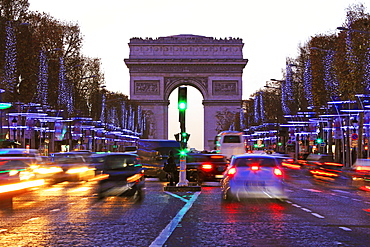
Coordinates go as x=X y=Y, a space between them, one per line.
x=362 y=168
x=255 y=168
x=231 y=172
x=278 y=172
x=207 y=167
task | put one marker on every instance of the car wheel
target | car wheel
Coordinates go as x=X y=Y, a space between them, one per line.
x=227 y=196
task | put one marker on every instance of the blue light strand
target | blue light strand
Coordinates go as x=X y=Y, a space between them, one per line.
x=331 y=84
x=366 y=76
x=351 y=58
x=256 y=111
x=287 y=90
x=42 y=84
x=10 y=58
x=307 y=82
x=123 y=112
x=241 y=118
x=62 y=89
x=262 y=107
x=102 y=114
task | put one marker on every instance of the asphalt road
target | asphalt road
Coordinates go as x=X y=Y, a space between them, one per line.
x=317 y=213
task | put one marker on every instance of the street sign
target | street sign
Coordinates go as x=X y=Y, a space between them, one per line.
x=354 y=143
x=354 y=136
x=322 y=144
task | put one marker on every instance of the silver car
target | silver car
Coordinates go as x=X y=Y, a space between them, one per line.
x=253 y=176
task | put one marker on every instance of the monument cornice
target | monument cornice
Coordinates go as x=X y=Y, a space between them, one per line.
x=187 y=68
x=221 y=102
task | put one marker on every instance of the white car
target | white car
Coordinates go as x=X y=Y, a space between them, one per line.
x=253 y=176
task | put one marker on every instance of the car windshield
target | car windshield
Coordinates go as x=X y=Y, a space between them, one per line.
x=231 y=139
x=120 y=163
x=246 y=162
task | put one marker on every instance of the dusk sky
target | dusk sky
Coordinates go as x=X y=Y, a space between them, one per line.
x=271 y=31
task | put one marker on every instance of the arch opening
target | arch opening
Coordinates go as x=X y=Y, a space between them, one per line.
x=194 y=117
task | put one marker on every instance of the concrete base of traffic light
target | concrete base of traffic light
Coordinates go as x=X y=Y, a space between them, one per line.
x=190 y=187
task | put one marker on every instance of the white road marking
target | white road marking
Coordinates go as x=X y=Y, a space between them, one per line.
x=345 y=228
x=166 y=233
x=177 y=196
x=3 y=230
x=341 y=191
x=307 y=210
x=318 y=215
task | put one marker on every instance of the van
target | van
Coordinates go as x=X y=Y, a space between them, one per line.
x=230 y=143
x=153 y=154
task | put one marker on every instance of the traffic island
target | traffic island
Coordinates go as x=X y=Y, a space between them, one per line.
x=190 y=187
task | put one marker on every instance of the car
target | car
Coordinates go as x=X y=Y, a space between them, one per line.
x=74 y=165
x=204 y=167
x=360 y=172
x=322 y=166
x=121 y=174
x=253 y=176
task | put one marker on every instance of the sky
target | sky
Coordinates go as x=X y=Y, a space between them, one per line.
x=271 y=31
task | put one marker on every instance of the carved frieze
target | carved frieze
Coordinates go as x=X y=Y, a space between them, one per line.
x=225 y=87
x=147 y=87
x=186 y=68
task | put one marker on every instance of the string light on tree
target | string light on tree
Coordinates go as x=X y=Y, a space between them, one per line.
x=10 y=58
x=307 y=79
x=42 y=85
x=331 y=84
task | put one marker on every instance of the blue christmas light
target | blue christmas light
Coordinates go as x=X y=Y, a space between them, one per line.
x=42 y=84
x=307 y=82
x=366 y=76
x=331 y=84
x=287 y=90
x=10 y=58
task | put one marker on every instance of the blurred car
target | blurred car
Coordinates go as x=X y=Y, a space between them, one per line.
x=18 y=170
x=201 y=167
x=253 y=176
x=360 y=172
x=75 y=167
x=321 y=166
x=121 y=174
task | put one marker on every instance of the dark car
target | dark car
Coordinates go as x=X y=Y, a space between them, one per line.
x=321 y=166
x=121 y=174
x=201 y=167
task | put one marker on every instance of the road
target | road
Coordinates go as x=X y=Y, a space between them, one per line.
x=317 y=213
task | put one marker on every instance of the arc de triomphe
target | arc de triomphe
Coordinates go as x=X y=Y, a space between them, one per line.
x=159 y=66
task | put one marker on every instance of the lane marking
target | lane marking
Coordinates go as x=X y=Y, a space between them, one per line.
x=345 y=228
x=318 y=215
x=341 y=191
x=307 y=210
x=313 y=190
x=55 y=210
x=166 y=233
x=3 y=230
x=177 y=196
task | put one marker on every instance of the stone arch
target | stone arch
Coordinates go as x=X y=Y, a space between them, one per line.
x=159 y=66
x=174 y=83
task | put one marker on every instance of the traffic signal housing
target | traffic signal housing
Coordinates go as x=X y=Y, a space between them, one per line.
x=182 y=99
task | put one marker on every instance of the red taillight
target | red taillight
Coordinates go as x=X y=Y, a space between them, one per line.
x=231 y=172
x=362 y=168
x=278 y=172
x=255 y=168
x=207 y=167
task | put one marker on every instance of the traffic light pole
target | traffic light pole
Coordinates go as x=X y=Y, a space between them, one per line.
x=182 y=105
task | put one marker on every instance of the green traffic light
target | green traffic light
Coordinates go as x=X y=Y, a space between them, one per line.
x=182 y=106
x=318 y=140
x=183 y=152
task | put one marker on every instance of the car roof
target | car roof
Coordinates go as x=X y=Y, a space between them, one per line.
x=115 y=154
x=254 y=156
